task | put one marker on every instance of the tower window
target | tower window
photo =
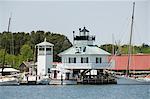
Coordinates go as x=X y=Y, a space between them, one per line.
x=41 y=49
x=48 y=49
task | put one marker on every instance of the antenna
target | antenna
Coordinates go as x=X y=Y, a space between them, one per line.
x=73 y=36
x=79 y=31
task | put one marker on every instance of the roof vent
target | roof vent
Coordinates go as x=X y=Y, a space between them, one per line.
x=84 y=49
x=78 y=50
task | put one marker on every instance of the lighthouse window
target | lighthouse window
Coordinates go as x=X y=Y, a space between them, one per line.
x=72 y=60
x=48 y=49
x=98 y=60
x=84 y=60
x=41 y=49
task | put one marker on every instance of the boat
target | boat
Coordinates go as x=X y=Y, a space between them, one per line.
x=146 y=79
x=127 y=79
x=7 y=79
x=44 y=80
x=131 y=80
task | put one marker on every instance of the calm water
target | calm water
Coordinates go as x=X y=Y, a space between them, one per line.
x=76 y=92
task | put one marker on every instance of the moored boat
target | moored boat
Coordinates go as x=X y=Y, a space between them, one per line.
x=126 y=79
x=44 y=80
x=146 y=79
x=8 y=81
x=131 y=80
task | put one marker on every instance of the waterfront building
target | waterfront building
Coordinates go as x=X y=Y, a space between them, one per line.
x=140 y=63
x=28 y=66
x=82 y=57
x=44 y=58
x=39 y=72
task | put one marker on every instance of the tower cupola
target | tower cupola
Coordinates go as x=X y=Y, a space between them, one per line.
x=84 y=38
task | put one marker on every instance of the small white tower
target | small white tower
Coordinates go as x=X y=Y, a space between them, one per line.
x=44 y=58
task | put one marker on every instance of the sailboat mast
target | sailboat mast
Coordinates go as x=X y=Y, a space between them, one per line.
x=113 y=45
x=5 y=48
x=9 y=24
x=12 y=42
x=130 y=42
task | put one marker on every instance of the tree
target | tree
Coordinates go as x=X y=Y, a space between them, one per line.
x=145 y=45
x=26 y=52
x=2 y=51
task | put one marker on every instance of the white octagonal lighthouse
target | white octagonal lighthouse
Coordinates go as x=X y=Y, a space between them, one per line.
x=44 y=58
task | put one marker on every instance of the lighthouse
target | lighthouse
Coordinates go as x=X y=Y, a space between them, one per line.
x=44 y=58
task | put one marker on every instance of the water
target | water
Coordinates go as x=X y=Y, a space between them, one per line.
x=76 y=92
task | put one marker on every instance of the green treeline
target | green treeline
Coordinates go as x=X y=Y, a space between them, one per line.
x=118 y=50
x=20 y=46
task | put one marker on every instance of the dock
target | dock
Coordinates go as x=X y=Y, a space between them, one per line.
x=95 y=80
x=28 y=83
x=100 y=78
x=28 y=80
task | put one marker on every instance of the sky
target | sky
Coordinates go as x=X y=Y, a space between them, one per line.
x=108 y=20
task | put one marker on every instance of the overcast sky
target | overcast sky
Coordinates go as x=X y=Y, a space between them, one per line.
x=102 y=18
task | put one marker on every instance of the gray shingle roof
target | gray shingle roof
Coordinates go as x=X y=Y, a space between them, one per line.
x=89 y=50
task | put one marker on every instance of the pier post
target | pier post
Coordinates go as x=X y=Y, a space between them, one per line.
x=61 y=79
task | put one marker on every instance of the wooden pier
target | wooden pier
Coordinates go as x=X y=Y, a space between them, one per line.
x=97 y=81
x=100 y=78
x=28 y=80
x=28 y=83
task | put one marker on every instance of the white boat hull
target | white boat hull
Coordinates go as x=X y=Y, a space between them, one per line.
x=43 y=82
x=129 y=80
x=9 y=82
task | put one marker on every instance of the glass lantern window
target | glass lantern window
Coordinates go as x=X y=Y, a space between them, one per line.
x=41 y=49
x=48 y=49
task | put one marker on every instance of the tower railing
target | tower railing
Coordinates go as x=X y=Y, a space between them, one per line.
x=88 y=37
